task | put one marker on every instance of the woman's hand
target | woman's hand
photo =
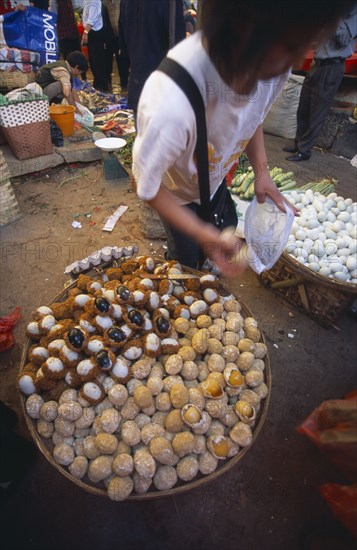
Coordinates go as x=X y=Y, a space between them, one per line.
x=84 y=40
x=222 y=247
x=219 y=249
x=265 y=187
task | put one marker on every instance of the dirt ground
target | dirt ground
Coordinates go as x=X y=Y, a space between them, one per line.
x=271 y=499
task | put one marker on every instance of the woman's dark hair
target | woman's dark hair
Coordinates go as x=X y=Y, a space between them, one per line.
x=239 y=32
x=77 y=59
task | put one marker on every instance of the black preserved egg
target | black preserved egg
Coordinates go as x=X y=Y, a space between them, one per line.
x=102 y=305
x=123 y=293
x=136 y=318
x=76 y=338
x=103 y=360
x=163 y=324
x=116 y=334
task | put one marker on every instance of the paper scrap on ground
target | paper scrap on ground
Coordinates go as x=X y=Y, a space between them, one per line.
x=112 y=220
x=76 y=225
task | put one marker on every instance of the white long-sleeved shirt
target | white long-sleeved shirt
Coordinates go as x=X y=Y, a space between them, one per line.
x=92 y=14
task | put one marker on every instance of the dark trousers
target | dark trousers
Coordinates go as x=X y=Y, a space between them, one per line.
x=181 y=247
x=100 y=60
x=69 y=45
x=123 y=64
x=317 y=93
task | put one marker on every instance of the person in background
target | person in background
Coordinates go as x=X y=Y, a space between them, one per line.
x=240 y=62
x=6 y=6
x=56 y=78
x=320 y=86
x=67 y=32
x=144 y=37
x=99 y=37
x=41 y=4
x=122 y=60
x=189 y=17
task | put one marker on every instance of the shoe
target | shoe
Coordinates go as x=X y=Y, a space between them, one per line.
x=298 y=157
x=291 y=149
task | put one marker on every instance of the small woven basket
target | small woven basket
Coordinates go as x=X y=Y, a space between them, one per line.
x=46 y=446
x=26 y=126
x=321 y=298
x=10 y=80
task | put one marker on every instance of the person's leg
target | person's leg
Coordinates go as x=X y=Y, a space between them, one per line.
x=322 y=96
x=303 y=111
x=98 y=60
x=123 y=70
x=179 y=246
x=108 y=62
x=54 y=92
x=68 y=45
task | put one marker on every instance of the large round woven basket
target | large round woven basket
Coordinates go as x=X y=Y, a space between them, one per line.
x=46 y=446
x=323 y=299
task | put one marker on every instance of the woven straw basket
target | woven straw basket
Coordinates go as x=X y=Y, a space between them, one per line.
x=10 y=80
x=321 y=298
x=46 y=446
x=9 y=208
x=26 y=126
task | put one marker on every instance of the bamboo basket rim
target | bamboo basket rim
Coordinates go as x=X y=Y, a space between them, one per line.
x=43 y=445
x=348 y=288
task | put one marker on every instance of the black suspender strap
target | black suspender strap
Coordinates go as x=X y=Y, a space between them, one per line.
x=185 y=81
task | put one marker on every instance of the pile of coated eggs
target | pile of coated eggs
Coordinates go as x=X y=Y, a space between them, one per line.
x=324 y=236
x=140 y=384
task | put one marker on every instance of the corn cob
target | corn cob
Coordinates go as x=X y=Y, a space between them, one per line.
x=282 y=178
x=247 y=181
x=249 y=193
x=287 y=185
x=275 y=172
x=237 y=180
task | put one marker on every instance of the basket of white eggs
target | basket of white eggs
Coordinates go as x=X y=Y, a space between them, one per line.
x=317 y=272
x=144 y=380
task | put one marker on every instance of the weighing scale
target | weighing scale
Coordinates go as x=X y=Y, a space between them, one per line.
x=112 y=168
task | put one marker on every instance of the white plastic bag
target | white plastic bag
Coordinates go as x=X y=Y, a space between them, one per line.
x=267 y=230
x=85 y=116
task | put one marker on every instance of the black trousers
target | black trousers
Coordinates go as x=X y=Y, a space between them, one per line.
x=318 y=91
x=100 y=60
x=123 y=64
x=69 y=45
x=181 y=247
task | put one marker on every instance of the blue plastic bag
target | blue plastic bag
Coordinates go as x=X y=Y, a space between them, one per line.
x=33 y=30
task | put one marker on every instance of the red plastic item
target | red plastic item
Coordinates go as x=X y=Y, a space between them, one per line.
x=5 y=7
x=231 y=173
x=350 y=63
x=332 y=427
x=80 y=27
x=7 y=325
x=342 y=500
